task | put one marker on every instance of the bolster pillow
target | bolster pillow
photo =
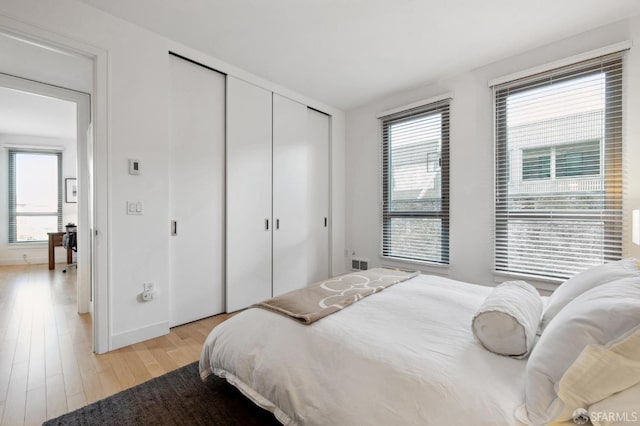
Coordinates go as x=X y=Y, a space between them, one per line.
x=507 y=321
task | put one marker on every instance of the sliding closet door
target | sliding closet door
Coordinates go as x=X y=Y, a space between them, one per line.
x=197 y=123
x=249 y=221
x=291 y=201
x=318 y=133
x=300 y=195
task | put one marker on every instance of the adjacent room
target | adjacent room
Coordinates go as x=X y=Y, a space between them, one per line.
x=320 y=213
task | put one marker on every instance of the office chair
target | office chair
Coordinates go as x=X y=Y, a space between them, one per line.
x=70 y=241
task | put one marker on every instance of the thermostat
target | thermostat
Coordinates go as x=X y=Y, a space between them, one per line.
x=134 y=167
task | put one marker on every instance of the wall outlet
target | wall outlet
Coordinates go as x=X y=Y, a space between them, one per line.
x=148 y=291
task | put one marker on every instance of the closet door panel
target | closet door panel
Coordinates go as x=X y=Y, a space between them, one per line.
x=300 y=195
x=318 y=135
x=249 y=224
x=292 y=160
x=196 y=191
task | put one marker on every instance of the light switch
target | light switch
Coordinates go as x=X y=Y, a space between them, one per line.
x=135 y=207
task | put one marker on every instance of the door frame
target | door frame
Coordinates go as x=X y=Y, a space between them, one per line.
x=99 y=125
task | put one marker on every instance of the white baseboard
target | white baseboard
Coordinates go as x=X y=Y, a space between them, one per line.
x=32 y=261
x=139 y=335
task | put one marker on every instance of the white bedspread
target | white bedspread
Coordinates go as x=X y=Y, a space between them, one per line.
x=404 y=356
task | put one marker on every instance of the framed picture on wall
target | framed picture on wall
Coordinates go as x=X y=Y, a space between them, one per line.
x=71 y=190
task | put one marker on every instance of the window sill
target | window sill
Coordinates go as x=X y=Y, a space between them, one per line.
x=428 y=267
x=539 y=283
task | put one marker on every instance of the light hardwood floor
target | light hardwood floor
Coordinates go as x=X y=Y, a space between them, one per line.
x=47 y=367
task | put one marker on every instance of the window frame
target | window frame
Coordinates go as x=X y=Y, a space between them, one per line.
x=13 y=214
x=553 y=152
x=613 y=110
x=545 y=152
x=569 y=149
x=440 y=107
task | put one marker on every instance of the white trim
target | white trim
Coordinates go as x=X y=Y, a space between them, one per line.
x=425 y=267
x=416 y=104
x=26 y=245
x=34 y=147
x=32 y=261
x=606 y=50
x=139 y=334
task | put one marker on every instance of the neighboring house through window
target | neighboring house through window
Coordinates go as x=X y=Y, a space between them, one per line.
x=35 y=195
x=563 y=161
x=559 y=170
x=415 y=180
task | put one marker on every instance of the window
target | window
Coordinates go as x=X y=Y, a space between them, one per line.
x=569 y=160
x=415 y=180
x=559 y=170
x=536 y=163
x=35 y=195
x=582 y=159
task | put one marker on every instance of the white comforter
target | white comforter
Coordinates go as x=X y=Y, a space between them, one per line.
x=404 y=356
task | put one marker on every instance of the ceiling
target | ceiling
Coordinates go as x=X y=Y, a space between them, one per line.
x=23 y=113
x=349 y=52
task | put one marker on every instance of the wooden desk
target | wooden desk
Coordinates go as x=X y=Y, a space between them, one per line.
x=55 y=240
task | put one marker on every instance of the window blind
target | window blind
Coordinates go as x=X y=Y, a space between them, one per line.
x=415 y=184
x=559 y=174
x=35 y=194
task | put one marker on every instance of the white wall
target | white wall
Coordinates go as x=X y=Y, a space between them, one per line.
x=471 y=140
x=138 y=81
x=65 y=70
x=36 y=252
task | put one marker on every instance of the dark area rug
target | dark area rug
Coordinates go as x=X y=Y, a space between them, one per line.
x=177 y=398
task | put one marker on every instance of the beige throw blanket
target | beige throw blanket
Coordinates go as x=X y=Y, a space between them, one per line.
x=308 y=305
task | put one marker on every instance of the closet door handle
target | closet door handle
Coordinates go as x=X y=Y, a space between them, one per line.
x=174 y=227
x=325 y=222
x=266 y=224
x=277 y=224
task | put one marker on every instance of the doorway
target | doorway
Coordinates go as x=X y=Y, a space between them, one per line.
x=44 y=132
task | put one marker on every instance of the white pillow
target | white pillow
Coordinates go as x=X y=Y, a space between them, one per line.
x=507 y=321
x=600 y=316
x=584 y=281
x=620 y=409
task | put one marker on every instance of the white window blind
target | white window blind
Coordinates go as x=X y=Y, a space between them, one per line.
x=559 y=169
x=35 y=195
x=415 y=184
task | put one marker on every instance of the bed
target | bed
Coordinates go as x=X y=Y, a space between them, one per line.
x=404 y=356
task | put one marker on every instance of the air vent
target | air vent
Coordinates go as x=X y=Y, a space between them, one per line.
x=359 y=264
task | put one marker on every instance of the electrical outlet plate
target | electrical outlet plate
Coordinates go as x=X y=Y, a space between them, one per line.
x=148 y=291
x=134 y=167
